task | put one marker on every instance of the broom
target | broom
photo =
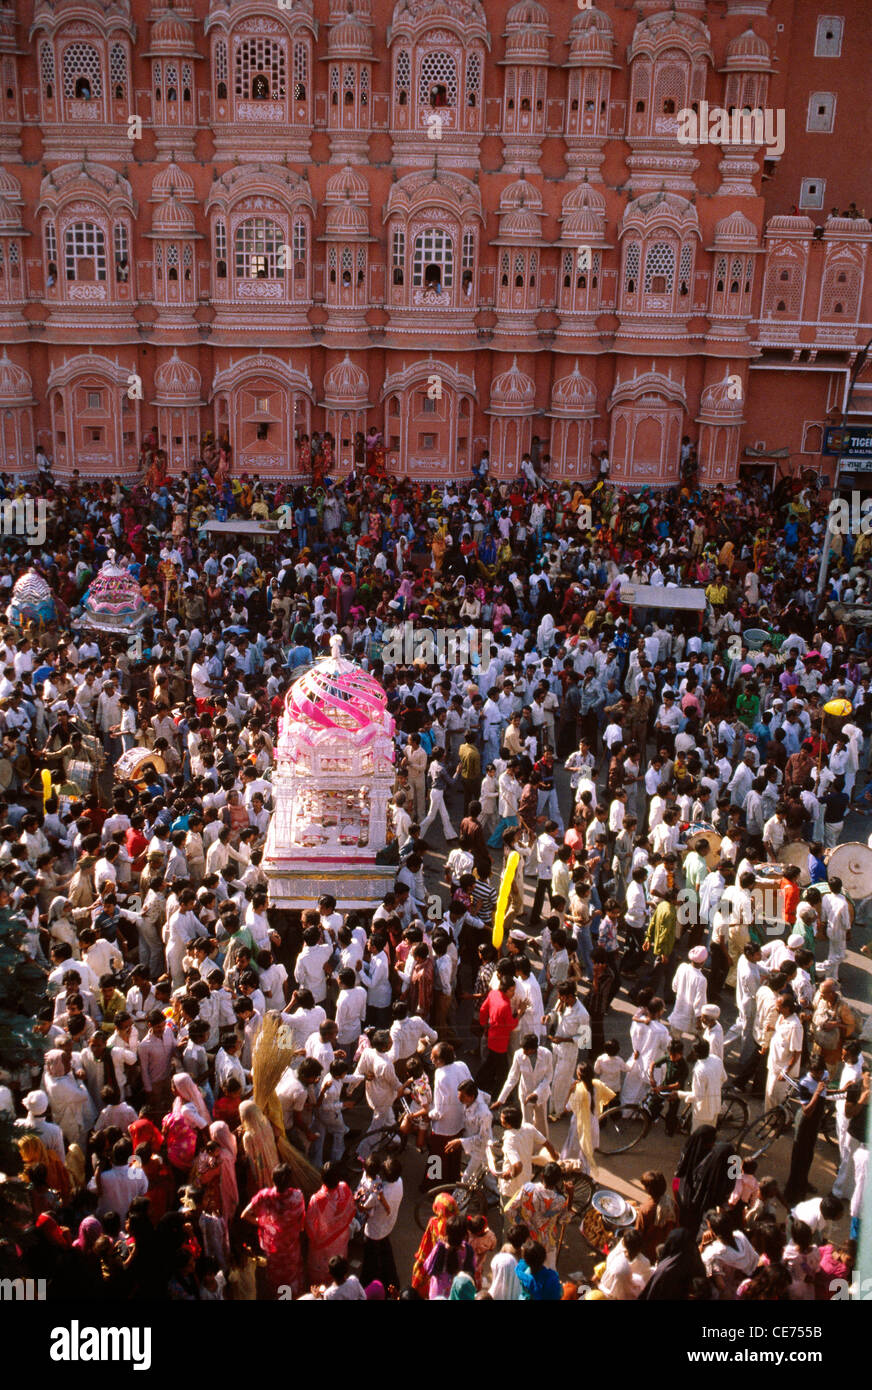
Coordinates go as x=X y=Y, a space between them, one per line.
x=271 y=1057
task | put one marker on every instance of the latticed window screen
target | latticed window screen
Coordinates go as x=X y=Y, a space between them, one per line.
x=331 y=260
x=404 y=72
x=157 y=78
x=187 y=77
x=534 y=267
x=660 y=261
x=434 y=248
x=473 y=77
x=438 y=69
x=14 y=260
x=334 y=85
x=220 y=242
x=348 y=78
x=81 y=60
x=361 y=261
x=721 y=272
x=841 y=291
x=172 y=82
x=299 y=242
x=735 y=275
x=47 y=67
x=467 y=259
x=519 y=266
x=685 y=265
x=257 y=245
x=260 y=56
x=158 y=258
x=669 y=90
x=84 y=241
x=786 y=292
x=301 y=71
x=364 y=86
x=346 y=259
x=120 y=240
x=118 y=71
x=504 y=268
x=173 y=256
x=221 y=62
x=568 y=259
x=749 y=274
x=51 y=243
x=631 y=273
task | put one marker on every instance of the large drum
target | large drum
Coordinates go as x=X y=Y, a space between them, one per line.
x=797 y=853
x=132 y=764
x=852 y=863
x=699 y=830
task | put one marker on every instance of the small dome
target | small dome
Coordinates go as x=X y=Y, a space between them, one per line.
x=346 y=383
x=10 y=219
x=790 y=225
x=347 y=183
x=747 y=53
x=737 y=229
x=172 y=179
x=31 y=600
x=574 y=393
x=114 y=601
x=520 y=194
x=721 y=396
x=349 y=39
x=526 y=31
x=591 y=39
x=15 y=383
x=347 y=219
x=177 y=378
x=10 y=188
x=513 y=390
x=170 y=33
x=583 y=213
x=173 y=218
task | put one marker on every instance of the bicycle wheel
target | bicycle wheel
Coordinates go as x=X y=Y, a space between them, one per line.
x=733 y=1118
x=762 y=1134
x=622 y=1129
x=469 y=1201
x=582 y=1191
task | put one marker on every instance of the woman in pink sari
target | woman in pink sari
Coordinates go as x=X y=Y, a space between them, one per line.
x=328 y=1222
x=223 y=1137
x=279 y=1212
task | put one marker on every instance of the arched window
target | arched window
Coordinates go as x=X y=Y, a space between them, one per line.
x=84 y=252
x=299 y=246
x=398 y=256
x=433 y=262
x=82 y=77
x=257 y=245
x=438 y=84
x=47 y=70
x=220 y=250
x=631 y=269
x=348 y=85
x=301 y=71
x=172 y=261
x=118 y=71
x=120 y=247
x=221 y=69
x=403 y=78
x=473 y=79
x=187 y=81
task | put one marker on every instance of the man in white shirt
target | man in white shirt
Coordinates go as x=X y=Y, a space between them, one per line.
x=376 y=978
x=706 y=1085
x=350 y=1011
x=532 y=1071
x=521 y=1142
x=382 y=1088
x=785 y=1052
x=477 y=1129
x=313 y=964
x=446 y=1114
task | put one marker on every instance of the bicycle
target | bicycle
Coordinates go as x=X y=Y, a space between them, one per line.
x=479 y=1195
x=765 y=1131
x=625 y=1126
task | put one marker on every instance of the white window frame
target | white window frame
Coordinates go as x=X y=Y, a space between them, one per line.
x=814 y=122
x=829 y=48
x=812 y=202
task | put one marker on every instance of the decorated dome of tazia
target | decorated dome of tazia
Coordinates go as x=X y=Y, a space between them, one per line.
x=335 y=700
x=173 y=181
x=347 y=183
x=513 y=389
x=346 y=382
x=177 y=378
x=114 y=601
x=527 y=31
x=32 y=600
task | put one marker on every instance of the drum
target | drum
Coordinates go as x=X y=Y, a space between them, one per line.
x=699 y=830
x=852 y=863
x=797 y=853
x=132 y=764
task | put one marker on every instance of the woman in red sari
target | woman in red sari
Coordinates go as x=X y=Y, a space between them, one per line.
x=328 y=1222
x=279 y=1212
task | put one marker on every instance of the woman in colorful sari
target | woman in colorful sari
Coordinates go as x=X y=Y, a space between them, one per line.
x=279 y=1212
x=328 y=1222
x=444 y=1210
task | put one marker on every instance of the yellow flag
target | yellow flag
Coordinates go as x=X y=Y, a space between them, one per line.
x=46 y=785
x=506 y=881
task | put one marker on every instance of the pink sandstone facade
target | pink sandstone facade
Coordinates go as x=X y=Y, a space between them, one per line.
x=278 y=218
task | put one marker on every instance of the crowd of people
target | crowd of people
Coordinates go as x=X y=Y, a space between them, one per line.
x=629 y=775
